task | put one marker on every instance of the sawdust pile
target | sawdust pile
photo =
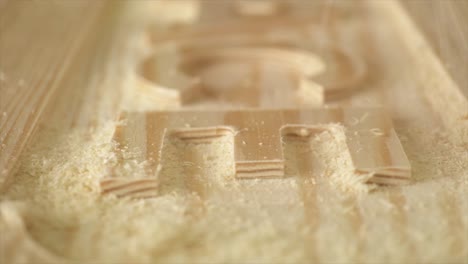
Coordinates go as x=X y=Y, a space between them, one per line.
x=249 y=221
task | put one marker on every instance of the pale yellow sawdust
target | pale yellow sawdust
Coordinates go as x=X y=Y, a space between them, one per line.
x=247 y=221
x=242 y=222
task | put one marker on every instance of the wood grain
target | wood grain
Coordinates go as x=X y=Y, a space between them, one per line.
x=276 y=220
x=34 y=57
x=371 y=141
x=445 y=25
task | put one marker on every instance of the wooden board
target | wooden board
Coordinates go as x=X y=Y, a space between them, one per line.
x=376 y=57
x=443 y=23
x=259 y=135
x=33 y=60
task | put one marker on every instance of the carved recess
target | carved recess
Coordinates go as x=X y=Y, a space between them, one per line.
x=196 y=63
x=235 y=76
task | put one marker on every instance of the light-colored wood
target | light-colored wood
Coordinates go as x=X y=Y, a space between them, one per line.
x=440 y=89
x=258 y=146
x=345 y=73
x=143 y=188
x=248 y=77
x=444 y=23
x=33 y=60
x=21 y=246
x=303 y=219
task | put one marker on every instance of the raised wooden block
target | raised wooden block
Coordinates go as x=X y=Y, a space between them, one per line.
x=371 y=140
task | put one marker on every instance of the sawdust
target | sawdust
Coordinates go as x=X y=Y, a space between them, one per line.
x=57 y=183
x=260 y=221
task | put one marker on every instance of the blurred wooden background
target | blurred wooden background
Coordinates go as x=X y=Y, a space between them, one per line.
x=445 y=25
